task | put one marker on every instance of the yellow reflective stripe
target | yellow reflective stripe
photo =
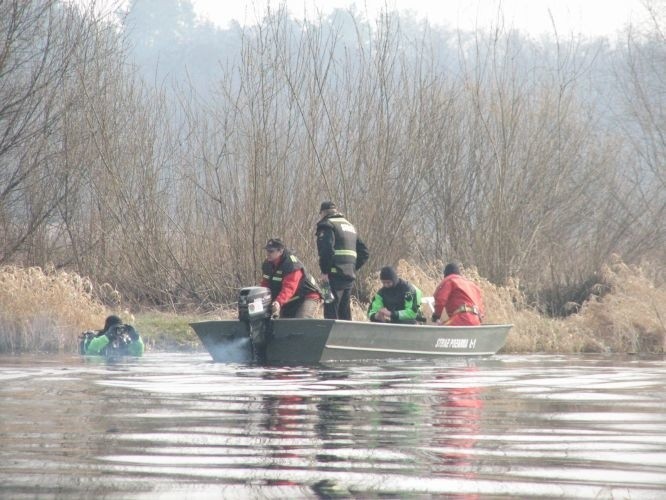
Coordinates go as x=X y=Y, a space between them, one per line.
x=351 y=253
x=275 y=278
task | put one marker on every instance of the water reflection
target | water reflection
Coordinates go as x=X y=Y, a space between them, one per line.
x=178 y=425
x=457 y=415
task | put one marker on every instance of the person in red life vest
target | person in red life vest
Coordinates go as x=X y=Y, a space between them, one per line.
x=293 y=291
x=461 y=298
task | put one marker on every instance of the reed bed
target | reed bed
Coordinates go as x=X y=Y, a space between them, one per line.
x=44 y=310
x=629 y=317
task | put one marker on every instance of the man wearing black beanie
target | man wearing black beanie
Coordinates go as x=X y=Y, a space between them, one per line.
x=388 y=273
x=398 y=301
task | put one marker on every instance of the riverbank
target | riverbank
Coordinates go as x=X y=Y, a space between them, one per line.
x=46 y=310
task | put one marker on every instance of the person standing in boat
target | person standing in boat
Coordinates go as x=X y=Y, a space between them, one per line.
x=293 y=291
x=116 y=338
x=341 y=253
x=398 y=301
x=461 y=298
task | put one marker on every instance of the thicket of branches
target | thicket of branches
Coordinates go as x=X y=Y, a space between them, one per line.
x=501 y=164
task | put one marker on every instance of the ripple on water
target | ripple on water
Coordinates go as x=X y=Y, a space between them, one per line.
x=178 y=425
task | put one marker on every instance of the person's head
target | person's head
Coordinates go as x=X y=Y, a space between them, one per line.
x=327 y=208
x=274 y=249
x=388 y=276
x=451 y=268
x=112 y=320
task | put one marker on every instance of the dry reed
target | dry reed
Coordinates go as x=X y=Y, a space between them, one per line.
x=45 y=310
x=631 y=318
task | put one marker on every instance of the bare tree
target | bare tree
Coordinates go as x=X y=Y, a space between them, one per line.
x=435 y=146
x=37 y=53
x=642 y=83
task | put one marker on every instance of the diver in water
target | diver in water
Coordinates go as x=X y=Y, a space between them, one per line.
x=116 y=339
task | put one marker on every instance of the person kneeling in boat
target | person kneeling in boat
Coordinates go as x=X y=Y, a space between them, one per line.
x=461 y=298
x=293 y=291
x=116 y=338
x=398 y=301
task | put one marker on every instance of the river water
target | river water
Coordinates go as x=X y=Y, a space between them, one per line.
x=180 y=426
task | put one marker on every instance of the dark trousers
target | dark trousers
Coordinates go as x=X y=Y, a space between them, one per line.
x=340 y=308
x=304 y=308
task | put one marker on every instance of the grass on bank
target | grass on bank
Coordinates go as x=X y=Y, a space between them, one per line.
x=168 y=331
x=44 y=310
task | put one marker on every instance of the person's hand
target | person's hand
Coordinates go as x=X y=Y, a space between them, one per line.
x=275 y=309
x=324 y=278
x=383 y=315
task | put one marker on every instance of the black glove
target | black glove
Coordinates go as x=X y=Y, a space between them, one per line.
x=133 y=334
x=111 y=334
x=434 y=318
x=88 y=334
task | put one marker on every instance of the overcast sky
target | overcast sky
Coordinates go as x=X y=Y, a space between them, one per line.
x=590 y=17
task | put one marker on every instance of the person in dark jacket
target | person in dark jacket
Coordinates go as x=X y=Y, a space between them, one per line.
x=398 y=301
x=116 y=338
x=293 y=291
x=341 y=254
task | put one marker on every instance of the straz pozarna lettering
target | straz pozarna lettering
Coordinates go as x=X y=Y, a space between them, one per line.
x=455 y=344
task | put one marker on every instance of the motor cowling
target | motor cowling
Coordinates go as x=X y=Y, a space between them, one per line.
x=254 y=302
x=254 y=309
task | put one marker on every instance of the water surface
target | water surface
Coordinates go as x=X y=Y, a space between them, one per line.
x=181 y=426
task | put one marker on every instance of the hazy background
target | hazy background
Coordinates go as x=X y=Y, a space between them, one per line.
x=147 y=147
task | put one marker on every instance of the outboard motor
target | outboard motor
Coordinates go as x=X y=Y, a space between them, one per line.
x=254 y=309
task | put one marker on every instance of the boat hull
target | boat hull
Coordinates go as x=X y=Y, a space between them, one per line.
x=307 y=341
